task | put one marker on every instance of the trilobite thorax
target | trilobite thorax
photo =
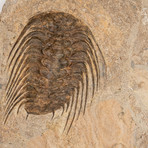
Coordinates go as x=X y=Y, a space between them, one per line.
x=48 y=63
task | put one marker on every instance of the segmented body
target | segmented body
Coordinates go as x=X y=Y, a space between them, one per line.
x=51 y=65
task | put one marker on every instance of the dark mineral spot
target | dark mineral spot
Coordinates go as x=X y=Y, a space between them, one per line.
x=51 y=66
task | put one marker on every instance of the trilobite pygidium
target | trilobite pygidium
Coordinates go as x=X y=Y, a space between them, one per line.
x=51 y=66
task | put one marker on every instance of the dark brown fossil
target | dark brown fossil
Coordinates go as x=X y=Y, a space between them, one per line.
x=51 y=64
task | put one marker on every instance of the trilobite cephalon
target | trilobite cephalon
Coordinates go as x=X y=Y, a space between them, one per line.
x=51 y=64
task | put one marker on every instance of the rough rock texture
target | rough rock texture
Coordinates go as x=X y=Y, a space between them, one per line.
x=118 y=116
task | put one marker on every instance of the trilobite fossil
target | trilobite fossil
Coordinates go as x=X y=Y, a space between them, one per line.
x=51 y=66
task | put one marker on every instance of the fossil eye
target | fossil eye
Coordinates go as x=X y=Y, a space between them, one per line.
x=51 y=65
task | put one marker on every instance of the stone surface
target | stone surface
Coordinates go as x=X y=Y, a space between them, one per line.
x=118 y=116
x=113 y=128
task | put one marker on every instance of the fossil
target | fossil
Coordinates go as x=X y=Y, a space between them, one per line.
x=51 y=66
